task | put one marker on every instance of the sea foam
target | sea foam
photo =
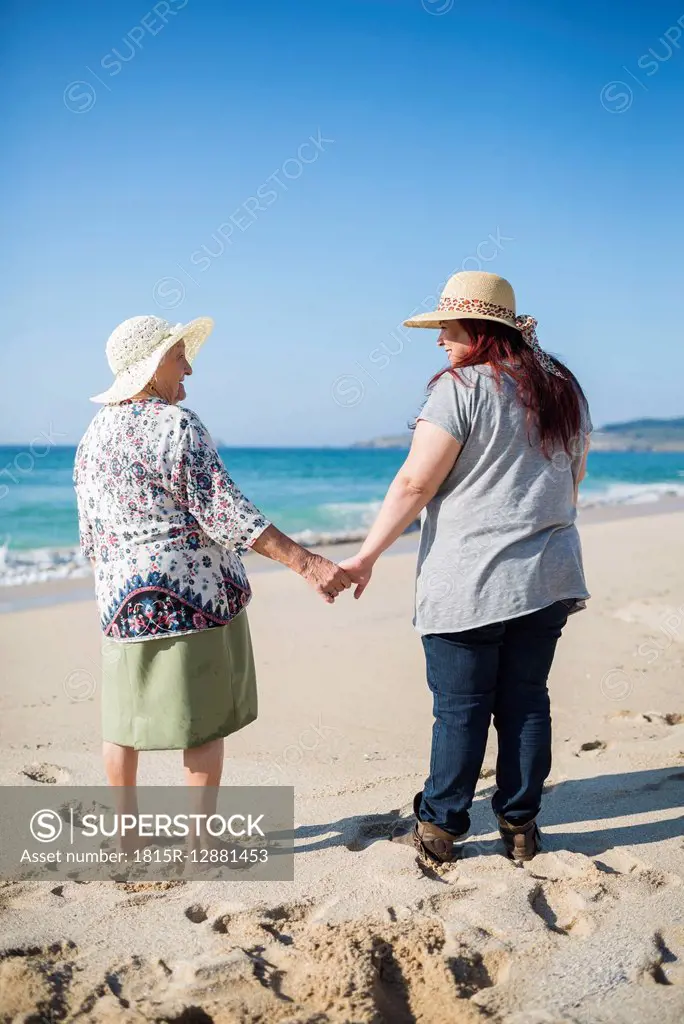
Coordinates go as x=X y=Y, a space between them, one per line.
x=40 y=565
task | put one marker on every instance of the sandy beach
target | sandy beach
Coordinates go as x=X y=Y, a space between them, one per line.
x=589 y=932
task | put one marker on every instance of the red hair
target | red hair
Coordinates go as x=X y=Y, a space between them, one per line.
x=552 y=403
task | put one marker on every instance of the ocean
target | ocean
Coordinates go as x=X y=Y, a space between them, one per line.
x=317 y=495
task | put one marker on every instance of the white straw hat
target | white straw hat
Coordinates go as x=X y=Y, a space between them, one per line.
x=476 y=295
x=137 y=346
x=471 y=295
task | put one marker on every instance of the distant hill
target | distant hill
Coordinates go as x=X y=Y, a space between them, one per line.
x=399 y=441
x=633 y=436
x=641 y=435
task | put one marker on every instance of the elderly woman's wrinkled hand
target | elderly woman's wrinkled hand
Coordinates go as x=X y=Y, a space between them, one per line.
x=327 y=578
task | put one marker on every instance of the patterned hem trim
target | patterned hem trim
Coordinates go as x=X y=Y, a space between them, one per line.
x=217 y=619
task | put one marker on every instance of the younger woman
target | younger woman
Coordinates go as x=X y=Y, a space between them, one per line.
x=496 y=458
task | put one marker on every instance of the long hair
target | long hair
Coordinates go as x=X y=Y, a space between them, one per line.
x=552 y=403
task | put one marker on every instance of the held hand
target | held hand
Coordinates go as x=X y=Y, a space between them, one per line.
x=327 y=578
x=360 y=571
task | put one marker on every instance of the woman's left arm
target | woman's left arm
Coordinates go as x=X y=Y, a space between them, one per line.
x=431 y=457
x=201 y=483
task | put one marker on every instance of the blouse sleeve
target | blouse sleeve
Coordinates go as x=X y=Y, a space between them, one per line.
x=85 y=528
x=447 y=407
x=200 y=482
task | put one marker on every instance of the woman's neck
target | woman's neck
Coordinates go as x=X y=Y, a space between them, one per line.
x=145 y=395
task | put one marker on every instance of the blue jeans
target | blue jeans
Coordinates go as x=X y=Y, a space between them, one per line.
x=501 y=670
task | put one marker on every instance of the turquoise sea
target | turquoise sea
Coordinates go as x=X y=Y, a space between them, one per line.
x=316 y=494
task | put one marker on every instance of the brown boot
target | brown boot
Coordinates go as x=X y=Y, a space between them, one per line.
x=434 y=843
x=522 y=842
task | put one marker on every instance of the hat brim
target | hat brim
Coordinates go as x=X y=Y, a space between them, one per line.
x=135 y=377
x=436 y=318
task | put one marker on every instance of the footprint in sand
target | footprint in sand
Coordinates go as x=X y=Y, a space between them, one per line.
x=648 y=717
x=562 y=910
x=561 y=866
x=137 y=894
x=668 y=968
x=196 y=913
x=282 y=919
x=289 y=912
x=49 y=774
x=140 y=899
x=592 y=746
x=161 y=886
x=34 y=977
x=371 y=827
x=280 y=936
x=666 y=718
x=617 y=862
x=248 y=926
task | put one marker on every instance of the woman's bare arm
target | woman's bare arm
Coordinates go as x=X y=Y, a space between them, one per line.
x=431 y=458
x=327 y=578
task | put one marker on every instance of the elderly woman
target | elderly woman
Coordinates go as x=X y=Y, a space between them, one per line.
x=164 y=526
x=497 y=454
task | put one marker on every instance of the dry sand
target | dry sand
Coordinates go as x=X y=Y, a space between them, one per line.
x=590 y=932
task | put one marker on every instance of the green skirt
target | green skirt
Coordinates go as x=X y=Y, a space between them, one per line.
x=179 y=692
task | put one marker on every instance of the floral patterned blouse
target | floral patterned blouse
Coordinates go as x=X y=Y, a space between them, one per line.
x=163 y=520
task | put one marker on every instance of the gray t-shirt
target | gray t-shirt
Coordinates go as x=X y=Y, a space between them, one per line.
x=499 y=539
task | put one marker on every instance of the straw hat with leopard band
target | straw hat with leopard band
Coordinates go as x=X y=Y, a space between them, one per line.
x=476 y=295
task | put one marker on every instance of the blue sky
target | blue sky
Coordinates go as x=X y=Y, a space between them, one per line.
x=446 y=135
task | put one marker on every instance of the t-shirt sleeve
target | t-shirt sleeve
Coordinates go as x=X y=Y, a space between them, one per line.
x=587 y=424
x=447 y=407
x=579 y=443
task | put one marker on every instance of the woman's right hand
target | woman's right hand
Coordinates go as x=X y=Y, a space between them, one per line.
x=327 y=578
x=360 y=569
